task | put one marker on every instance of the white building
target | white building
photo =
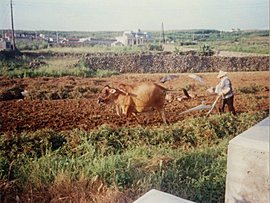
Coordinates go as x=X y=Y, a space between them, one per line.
x=5 y=45
x=133 y=38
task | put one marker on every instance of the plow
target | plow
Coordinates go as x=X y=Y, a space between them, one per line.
x=187 y=96
x=203 y=107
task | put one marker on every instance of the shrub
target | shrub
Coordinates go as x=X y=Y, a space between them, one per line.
x=206 y=50
x=155 y=47
x=253 y=88
x=31 y=45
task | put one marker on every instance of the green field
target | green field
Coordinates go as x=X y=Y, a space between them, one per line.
x=187 y=159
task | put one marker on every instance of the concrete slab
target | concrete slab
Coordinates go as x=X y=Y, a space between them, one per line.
x=248 y=166
x=256 y=137
x=156 y=196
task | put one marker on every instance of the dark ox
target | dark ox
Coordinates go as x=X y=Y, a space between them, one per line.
x=133 y=99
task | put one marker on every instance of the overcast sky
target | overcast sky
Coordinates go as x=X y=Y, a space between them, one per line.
x=119 y=15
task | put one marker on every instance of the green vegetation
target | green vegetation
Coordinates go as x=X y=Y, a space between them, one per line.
x=237 y=41
x=54 y=67
x=187 y=159
x=94 y=49
x=206 y=50
x=57 y=72
x=31 y=45
x=251 y=89
x=155 y=47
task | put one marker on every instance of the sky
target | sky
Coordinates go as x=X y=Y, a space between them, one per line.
x=120 y=15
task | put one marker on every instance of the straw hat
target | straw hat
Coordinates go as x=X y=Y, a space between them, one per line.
x=221 y=74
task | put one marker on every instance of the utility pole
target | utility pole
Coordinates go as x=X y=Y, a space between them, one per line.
x=12 y=26
x=57 y=37
x=163 y=34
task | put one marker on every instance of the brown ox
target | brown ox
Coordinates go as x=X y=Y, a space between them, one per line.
x=132 y=99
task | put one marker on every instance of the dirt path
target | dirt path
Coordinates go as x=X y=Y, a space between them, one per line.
x=237 y=54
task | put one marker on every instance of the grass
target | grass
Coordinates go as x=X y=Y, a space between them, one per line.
x=251 y=44
x=95 y=49
x=54 y=67
x=252 y=88
x=187 y=159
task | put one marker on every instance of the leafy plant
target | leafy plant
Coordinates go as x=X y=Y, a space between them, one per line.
x=206 y=50
x=155 y=47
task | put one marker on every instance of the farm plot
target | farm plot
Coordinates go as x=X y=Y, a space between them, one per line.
x=69 y=102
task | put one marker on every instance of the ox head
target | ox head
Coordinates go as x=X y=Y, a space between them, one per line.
x=109 y=95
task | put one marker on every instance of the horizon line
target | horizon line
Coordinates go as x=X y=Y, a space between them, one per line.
x=191 y=29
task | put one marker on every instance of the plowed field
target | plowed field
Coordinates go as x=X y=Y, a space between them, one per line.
x=75 y=108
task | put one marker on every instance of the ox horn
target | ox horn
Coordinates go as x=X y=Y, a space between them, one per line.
x=113 y=90
x=123 y=91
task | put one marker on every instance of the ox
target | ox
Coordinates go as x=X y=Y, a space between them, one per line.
x=132 y=99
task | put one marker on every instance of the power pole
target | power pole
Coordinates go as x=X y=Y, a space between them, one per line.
x=12 y=26
x=163 y=34
x=57 y=38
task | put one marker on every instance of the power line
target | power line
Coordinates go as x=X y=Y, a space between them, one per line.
x=145 y=6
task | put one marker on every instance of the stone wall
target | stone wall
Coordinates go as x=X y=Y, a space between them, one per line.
x=173 y=63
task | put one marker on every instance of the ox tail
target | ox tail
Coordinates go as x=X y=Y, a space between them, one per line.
x=182 y=89
x=165 y=89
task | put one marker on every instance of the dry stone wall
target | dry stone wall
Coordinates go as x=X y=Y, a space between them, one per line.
x=173 y=63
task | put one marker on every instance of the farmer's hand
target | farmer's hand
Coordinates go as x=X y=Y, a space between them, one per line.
x=221 y=94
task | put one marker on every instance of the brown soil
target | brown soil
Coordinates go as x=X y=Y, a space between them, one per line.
x=66 y=114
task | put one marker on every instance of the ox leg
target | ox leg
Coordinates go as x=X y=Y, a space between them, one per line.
x=118 y=110
x=162 y=113
x=134 y=114
x=146 y=117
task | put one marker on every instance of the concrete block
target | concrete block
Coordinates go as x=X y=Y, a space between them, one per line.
x=248 y=166
x=155 y=196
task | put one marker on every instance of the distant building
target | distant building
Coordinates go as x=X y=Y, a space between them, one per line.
x=133 y=38
x=22 y=36
x=117 y=43
x=93 y=41
x=73 y=41
x=5 y=45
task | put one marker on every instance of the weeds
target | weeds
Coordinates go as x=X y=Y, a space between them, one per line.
x=187 y=159
x=52 y=68
x=252 y=89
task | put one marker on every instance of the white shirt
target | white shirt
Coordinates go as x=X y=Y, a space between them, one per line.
x=224 y=87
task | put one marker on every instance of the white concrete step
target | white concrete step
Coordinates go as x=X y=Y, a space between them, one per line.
x=156 y=196
x=248 y=166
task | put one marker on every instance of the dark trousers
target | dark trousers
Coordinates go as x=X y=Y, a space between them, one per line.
x=229 y=102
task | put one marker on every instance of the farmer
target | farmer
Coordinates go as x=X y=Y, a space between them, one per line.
x=224 y=89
